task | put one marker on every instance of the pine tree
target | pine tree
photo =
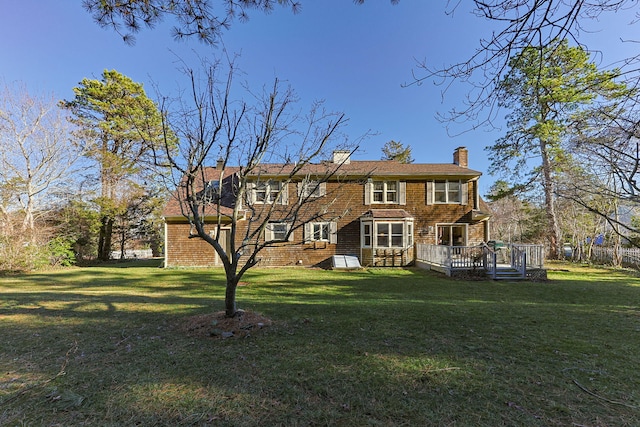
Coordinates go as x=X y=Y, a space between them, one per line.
x=121 y=128
x=393 y=150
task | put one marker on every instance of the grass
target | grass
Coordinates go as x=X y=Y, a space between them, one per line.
x=380 y=347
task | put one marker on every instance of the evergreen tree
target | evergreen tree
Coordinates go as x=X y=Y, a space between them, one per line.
x=544 y=89
x=393 y=150
x=121 y=129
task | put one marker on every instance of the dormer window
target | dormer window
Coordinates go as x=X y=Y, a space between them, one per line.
x=212 y=187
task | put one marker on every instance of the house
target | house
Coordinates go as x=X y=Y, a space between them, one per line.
x=375 y=210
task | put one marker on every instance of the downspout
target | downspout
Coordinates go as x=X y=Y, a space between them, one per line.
x=166 y=245
x=487 y=230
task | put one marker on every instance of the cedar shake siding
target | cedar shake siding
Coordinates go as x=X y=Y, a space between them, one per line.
x=383 y=209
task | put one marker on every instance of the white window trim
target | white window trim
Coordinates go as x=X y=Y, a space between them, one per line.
x=407 y=240
x=465 y=226
x=390 y=224
x=312 y=188
x=400 y=193
x=269 y=232
x=281 y=199
x=462 y=193
x=362 y=233
x=385 y=192
x=309 y=235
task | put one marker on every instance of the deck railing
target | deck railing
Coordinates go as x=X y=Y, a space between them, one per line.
x=534 y=254
x=490 y=259
x=451 y=256
x=520 y=257
x=519 y=260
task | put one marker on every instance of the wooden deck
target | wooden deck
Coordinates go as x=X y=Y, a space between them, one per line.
x=511 y=262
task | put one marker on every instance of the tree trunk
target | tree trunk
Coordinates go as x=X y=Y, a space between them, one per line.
x=617 y=255
x=123 y=242
x=104 y=239
x=230 y=297
x=554 y=234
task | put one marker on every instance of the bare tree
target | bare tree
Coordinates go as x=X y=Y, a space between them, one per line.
x=37 y=151
x=248 y=143
x=606 y=143
x=520 y=25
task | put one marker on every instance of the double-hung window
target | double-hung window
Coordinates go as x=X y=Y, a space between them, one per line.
x=381 y=192
x=277 y=231
x=320 y=232
x=447 y=192
x=385 y=192
x=312 y=188
x=366 y=235
x=268 y=192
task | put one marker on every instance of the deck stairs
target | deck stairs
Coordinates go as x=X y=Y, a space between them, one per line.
x=508 y=273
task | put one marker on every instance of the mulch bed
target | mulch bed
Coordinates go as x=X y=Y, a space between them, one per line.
x=218 y=326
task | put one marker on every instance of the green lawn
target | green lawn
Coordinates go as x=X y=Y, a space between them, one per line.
x=102 y=346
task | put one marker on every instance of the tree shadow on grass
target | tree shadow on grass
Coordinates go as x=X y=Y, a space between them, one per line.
x=367 y=347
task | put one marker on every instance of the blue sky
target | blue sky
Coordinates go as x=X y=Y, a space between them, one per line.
x=356 y=58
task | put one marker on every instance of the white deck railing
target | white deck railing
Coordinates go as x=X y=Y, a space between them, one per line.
x=534 y=254
x=520 y=257
x=451 y=256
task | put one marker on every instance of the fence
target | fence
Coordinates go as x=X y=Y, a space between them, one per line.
x=629 y=257
x=133 y=253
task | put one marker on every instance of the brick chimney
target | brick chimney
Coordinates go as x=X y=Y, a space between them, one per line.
x=461 y=157
x=220 y=164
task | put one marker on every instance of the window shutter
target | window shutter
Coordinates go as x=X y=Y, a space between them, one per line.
x=402 y=193
x=367 y=192
x=323 y=189
x=251 y=195
x=290 y=239
x=464 y=193
x=284 y=194
x=429 y=192
x=300 y=188
x=308 y=230
x=268 y=234
x=333 y=232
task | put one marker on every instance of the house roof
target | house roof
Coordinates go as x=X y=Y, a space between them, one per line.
x=354 y=169
x=382 y=168
x=173 y=208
